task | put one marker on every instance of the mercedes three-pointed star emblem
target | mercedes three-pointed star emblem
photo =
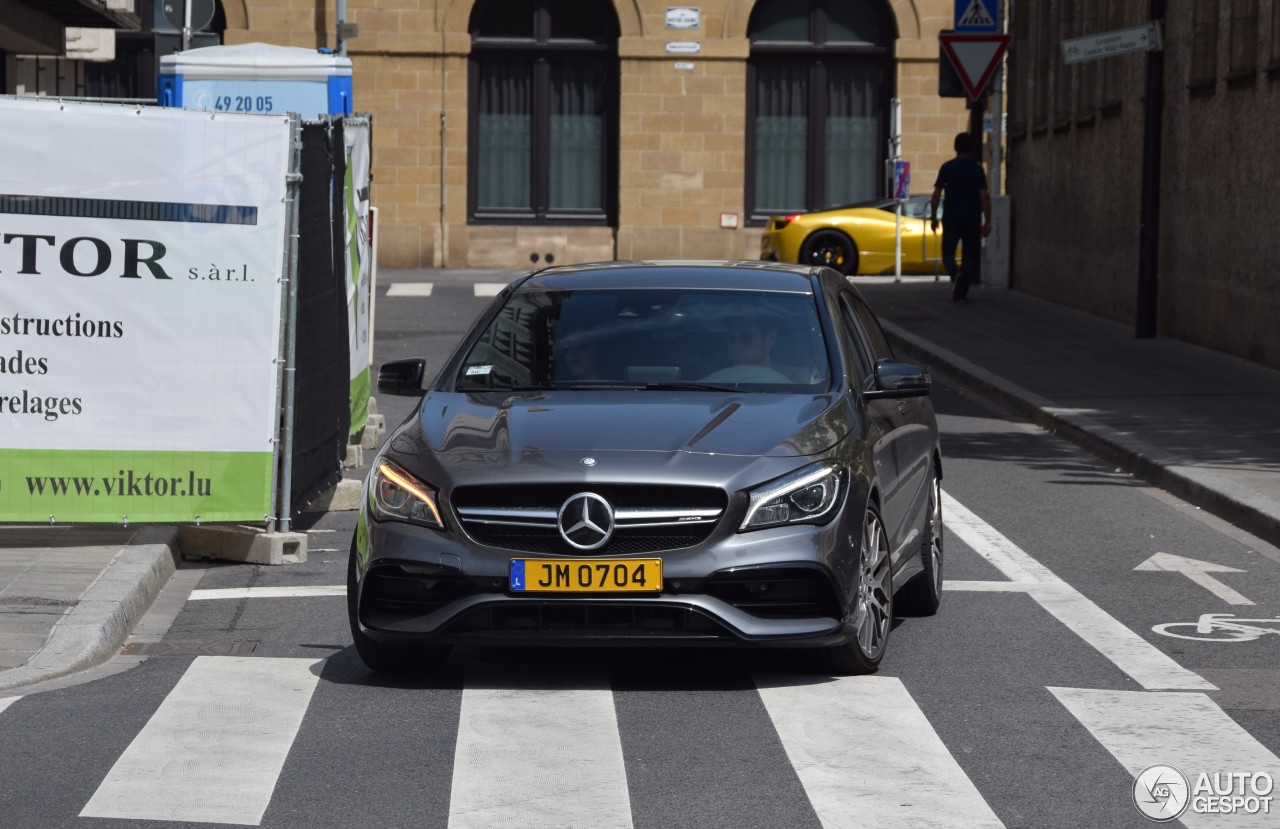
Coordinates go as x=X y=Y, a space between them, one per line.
x=586 y=521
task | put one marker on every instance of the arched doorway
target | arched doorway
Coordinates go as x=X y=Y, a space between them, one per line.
x=543 y=93
x=819 y=82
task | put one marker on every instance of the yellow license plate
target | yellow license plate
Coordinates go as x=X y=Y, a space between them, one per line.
x=631 y=575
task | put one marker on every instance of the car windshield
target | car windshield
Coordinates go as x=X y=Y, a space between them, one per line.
x=650 y=339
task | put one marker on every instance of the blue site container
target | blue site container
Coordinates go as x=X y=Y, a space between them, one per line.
x=257 y=77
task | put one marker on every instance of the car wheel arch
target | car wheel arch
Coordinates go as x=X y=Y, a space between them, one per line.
x=845 y=238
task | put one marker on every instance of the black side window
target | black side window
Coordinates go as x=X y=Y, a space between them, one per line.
x=857 y=339
x=875 y=334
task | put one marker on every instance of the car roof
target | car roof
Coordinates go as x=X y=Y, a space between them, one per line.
x=870 y=204
x=676 y=273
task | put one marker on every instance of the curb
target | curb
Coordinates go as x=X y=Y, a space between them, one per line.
x=93 y=630
x=1230 y=501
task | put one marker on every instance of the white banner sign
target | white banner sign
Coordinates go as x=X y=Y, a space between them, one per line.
x=359 y=271
x=141 y=251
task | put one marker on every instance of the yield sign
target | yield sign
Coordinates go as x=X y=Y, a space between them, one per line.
x=975 y=57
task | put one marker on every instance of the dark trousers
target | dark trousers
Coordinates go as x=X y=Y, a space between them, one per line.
x=969 y=233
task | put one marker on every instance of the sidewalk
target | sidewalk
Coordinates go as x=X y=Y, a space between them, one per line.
x=1195 y=422
x=1200 y=424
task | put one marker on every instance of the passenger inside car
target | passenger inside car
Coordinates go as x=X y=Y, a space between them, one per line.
x=580 y=359
x=766 y=348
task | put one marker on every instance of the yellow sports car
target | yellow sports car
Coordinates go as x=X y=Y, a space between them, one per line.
x=857 y=239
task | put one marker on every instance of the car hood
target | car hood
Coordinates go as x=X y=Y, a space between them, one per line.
x=506 y=429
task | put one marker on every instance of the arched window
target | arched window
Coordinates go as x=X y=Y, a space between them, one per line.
x=819 y=82
x=543 y=112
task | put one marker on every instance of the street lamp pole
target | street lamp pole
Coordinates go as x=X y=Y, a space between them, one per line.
x=1149 y=233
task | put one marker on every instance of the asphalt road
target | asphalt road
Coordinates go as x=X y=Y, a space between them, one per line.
x=1031 y=699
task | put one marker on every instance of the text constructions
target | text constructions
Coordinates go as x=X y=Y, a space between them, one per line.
x=18 y=363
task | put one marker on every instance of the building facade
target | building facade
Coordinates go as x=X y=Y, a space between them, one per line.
x=1076 y=152
x=518 y=132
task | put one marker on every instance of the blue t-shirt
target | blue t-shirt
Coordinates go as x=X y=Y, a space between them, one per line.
x=962 y=181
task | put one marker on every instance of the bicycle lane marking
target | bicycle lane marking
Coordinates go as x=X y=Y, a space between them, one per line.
x=1137 y=657
x=1221 y=627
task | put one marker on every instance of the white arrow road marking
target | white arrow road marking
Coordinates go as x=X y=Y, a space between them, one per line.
x=1130 y=652
x=538 y=750
x=1198 y=571
x=215 y=747
x=867 y=755
x=1187 y=731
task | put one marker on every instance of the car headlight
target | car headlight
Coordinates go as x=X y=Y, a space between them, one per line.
x=396 y=494
x=806 y=496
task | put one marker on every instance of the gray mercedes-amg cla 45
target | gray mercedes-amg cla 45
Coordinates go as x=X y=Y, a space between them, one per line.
x=654 y=453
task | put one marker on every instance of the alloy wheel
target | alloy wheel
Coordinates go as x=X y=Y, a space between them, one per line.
x=873 y=609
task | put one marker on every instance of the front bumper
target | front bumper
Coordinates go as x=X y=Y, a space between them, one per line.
x=788 y=586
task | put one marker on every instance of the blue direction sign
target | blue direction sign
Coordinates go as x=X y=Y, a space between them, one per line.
x=901 y=179
x=977 y=16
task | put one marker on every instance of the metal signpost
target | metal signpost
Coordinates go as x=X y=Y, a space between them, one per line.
x=901 y=190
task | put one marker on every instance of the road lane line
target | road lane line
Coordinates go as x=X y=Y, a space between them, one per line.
x=538 y=749
x=989 y=586
x=1137 y=657
x=410 y=289
x=268 y=592
x=867 y=755
x=5 y=702
x=213 y=750
x=1187 y=731
x=489 y=288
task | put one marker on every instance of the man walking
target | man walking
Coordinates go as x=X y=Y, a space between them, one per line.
x=966 y=214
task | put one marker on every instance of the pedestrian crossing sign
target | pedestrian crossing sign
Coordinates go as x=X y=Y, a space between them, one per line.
x=977 y=16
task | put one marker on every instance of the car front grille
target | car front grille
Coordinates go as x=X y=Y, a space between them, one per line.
x=649 y=519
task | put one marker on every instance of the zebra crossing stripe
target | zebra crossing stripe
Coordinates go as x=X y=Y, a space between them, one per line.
x=425 y=289
x=5 y=702
x=867 y=756
x=1137 y=657
x=214 y=748
x=410 y=289
x=1187 y=731
x=298 y=592
x=538 y=749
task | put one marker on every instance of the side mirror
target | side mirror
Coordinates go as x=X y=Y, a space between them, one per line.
x=897 y=380
x=402 y=377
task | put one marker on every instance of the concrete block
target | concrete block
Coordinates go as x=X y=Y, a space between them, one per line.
x=374 y=429
x=355 y=456
x=252 y=545
x=344 y=496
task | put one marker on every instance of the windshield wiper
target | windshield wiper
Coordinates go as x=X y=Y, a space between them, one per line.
x=676 y=386
x=535 y=387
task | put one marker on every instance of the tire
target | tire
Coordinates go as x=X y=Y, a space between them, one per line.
x=388 y=657
x=872 y=615
x=832 y=249
x=922 y=595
